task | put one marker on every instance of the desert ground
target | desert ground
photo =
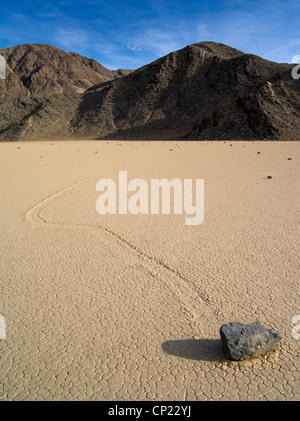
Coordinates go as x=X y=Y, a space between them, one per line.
x=129 y=307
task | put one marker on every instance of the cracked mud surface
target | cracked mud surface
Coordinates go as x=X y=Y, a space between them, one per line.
x=125 y=307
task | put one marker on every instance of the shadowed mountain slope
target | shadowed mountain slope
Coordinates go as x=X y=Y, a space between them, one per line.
x=204 y=91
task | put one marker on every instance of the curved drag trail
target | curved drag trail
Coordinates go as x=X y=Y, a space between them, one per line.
x=184 y=287
x=33 y=214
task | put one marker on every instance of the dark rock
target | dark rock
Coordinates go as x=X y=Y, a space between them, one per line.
x=269 y=177
x=242 y=342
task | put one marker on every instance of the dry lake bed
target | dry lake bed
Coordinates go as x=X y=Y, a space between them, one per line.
x=129 y=307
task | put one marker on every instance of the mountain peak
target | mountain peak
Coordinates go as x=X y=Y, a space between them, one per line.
x=220 y=50
x=39 y=69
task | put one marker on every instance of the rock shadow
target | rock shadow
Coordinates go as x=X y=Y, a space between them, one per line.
x=196 y=349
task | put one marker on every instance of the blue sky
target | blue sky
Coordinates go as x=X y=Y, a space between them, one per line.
x=131 y=33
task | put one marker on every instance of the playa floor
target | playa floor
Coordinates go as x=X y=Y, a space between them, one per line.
x=129 y=307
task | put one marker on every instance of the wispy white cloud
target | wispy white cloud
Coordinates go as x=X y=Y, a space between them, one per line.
x=72 y=38
x=202 y=30
x=286 y=51
x=130 y=34
x=155 y=41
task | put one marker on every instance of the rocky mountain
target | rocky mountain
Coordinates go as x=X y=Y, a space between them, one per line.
x=204 y=91
x=39 y=69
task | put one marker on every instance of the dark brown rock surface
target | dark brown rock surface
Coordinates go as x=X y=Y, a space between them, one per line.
x=204 y=91
x=39 y=69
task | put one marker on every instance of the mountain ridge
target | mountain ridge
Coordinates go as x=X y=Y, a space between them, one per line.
x=38 y=69
x=206 y=90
